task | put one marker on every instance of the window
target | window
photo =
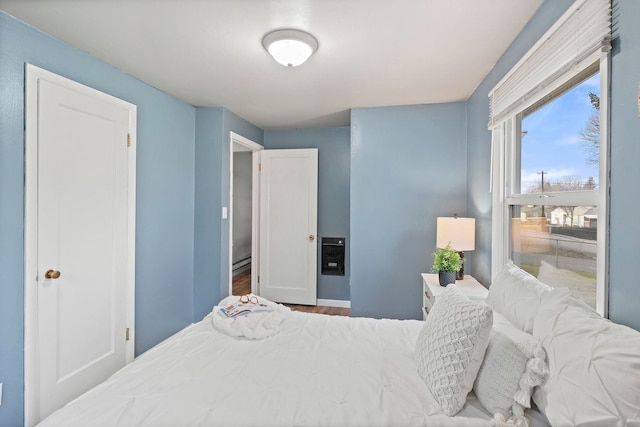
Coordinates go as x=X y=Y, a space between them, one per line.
x=559 y=144
x=557 y=157
x=549 y=157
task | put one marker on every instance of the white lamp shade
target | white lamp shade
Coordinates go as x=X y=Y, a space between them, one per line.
x=459 y=233
x=290 y=47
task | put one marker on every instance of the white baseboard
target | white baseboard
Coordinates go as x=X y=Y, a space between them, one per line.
x=333 y=303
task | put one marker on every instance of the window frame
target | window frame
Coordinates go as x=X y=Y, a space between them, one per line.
x=505 y=177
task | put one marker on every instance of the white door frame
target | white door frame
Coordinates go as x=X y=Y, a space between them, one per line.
x=32 y=76
x=255 y=148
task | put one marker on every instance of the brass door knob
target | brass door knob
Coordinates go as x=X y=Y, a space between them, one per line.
x=311 y=237
x=52 y=274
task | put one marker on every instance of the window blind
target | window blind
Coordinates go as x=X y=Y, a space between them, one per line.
x=582 y=32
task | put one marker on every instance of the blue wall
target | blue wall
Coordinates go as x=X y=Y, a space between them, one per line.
x=624 y=292
x=333 y=146
x=206 y=274
x=212 y=169
x=165 y=197
x=479 y=138
x=408 y=166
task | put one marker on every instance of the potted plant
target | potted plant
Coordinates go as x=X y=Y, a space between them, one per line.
x=446 y=261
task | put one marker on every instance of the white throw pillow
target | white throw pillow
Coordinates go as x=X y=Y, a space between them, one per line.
x=594 y=367
x=513 y=365
x=451 y=346
x=580 y=286
x=518 y=295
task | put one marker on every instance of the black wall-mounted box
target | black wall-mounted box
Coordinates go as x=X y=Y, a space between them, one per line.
x=333 y=256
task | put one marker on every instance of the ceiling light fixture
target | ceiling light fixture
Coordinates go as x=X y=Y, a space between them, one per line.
x=290 y=47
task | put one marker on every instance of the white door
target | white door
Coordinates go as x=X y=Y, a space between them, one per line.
x=83 y=245
x=288 y=225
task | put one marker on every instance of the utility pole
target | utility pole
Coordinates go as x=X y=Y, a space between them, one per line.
x=541 y=173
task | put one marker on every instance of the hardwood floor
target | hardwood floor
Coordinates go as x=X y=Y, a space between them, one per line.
x=242 y=286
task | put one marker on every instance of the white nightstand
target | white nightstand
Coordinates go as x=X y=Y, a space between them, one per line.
x=431 y=289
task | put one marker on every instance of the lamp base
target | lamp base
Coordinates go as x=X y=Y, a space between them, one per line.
x=460 y=273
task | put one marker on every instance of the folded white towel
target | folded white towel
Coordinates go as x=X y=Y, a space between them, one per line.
x=254 y=325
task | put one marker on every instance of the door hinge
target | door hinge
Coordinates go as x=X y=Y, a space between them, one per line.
x=128 y=140
x=126 y=334
x=260 y=167
x=258 y=279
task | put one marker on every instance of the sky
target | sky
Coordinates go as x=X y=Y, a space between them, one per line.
x=552 y=142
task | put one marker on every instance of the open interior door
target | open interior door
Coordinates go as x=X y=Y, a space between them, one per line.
x=288 y=225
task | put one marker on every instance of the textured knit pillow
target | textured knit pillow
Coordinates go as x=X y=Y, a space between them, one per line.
x=513 y=365
x=451 y=346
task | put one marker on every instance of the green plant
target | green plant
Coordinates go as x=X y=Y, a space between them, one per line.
x=446 y=259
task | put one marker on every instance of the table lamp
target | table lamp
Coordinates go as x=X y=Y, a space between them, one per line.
x=459 y=233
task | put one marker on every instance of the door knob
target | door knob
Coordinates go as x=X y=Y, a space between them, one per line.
x=311 y=237
x=52 y=274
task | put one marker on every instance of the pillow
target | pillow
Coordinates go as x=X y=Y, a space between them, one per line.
x=517 y=295
x=594 y=367
x=581 y=287
x=451 y=346
x=513 y=365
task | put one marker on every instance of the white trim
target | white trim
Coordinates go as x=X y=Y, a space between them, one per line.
x=255 y=222
x=246 y=142
x=255 y=198
x=602 y=255
x=499 y=228
x=31 y=401
x=333 y=303
x=33 y=75
x=131 y=232
x=577 y=198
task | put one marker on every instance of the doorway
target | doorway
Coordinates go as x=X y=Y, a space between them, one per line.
x=243 y=219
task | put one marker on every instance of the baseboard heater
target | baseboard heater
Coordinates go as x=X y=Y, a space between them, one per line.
x=242 y=265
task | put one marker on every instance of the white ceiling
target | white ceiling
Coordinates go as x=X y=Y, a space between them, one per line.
x=371 y=53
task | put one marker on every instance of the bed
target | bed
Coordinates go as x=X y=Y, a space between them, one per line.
x=320 y=370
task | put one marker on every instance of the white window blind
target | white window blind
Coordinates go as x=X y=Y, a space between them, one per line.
x=582 y=32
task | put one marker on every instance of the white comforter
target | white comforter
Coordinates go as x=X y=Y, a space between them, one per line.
x=318 y=371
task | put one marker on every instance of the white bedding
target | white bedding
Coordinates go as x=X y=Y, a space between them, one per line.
x=318 y=371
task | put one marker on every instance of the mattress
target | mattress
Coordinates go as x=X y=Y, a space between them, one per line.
x=318 y=371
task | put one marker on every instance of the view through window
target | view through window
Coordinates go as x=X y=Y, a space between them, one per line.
x=557 y=160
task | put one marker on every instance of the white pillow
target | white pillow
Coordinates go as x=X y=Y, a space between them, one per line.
x=513 y=365
x=518 y=295
x=581 y=287
x=594 y=367
x=451 y=346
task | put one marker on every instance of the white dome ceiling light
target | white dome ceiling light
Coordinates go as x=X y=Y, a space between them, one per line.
x=290 y=47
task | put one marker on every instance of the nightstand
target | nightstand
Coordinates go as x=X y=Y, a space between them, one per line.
x=431 y=288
